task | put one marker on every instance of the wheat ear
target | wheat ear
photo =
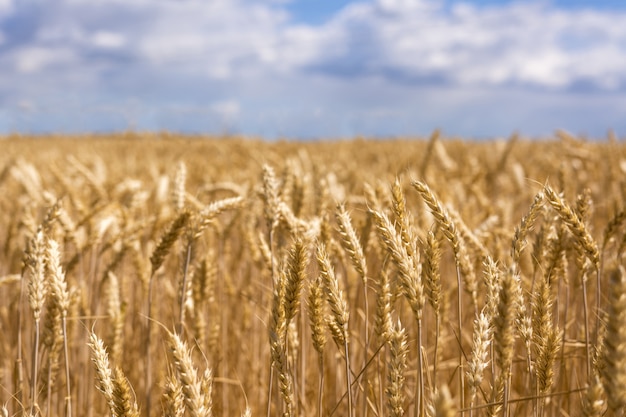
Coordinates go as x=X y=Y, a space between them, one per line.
x=614 y=371
x=610 y=230
x=125 y=405
x=449 y=230
x=441 y=215
x=339 y=310
x=382 y=320
x=408 y=267
x=383 y=323
x=612 y=227
x=466 y=235
x=116 y=315
x=208 y=214
x=270 y=196
x=545 y=337
x=113 y=385
x=594 y=404
x=100 y=358
x=398 y=349
x=504 y=334
x=526 y=225
x=403 y=218
x=196 y=388
x=589 y=246
x=173 y=399
x=316 y=321
x=199 y=298
x=479 y=358
x=416 y=294
x=574 y=223
x=59 y=299
x=546 y=357
x=442 y=405
x=297 y=262
x=188 y=254
x=178 y=191
x=352 y=245
x=411 y=284
x=168 y=239
x=34 y=259
x=434 y=292
x=427 y=158
x=156 y=260
x=278 y=345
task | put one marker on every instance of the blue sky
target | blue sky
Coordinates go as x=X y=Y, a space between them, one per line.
x=314 y=68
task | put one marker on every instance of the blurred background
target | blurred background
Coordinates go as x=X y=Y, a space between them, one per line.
x=307 y=69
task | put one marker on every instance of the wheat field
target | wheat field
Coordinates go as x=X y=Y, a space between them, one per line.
x=162 y=275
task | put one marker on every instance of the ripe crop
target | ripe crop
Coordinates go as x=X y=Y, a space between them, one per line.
x=159 y=275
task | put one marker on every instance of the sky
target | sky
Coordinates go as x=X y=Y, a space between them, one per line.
x=308 y=69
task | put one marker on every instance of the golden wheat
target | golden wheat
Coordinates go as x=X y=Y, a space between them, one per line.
x=193 y=268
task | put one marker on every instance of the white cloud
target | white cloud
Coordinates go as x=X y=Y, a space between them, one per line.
x=108 y=40
x=526 y=43
x=227 y=111
x=245 y=63
x=6 y=7
x=217 y=37
x=37 y=59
